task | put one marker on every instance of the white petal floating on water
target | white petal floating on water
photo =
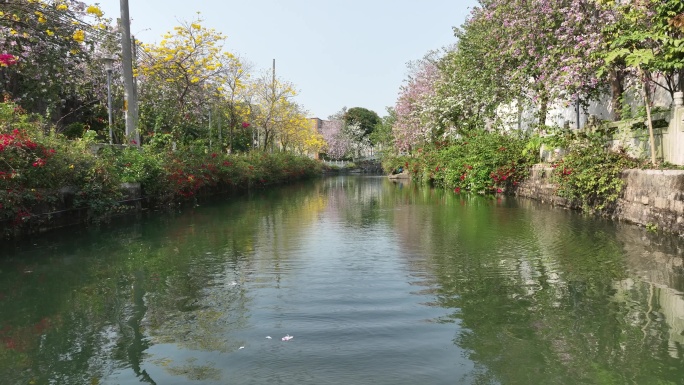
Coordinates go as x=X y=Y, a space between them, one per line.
x=268 y=337
x=287 y=337
x=241 y=347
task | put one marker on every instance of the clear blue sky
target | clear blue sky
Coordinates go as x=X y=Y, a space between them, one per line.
x=337 y=53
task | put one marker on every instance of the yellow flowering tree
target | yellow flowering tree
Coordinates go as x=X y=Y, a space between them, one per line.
x=271 y=108
x=181 y=76
x=232 y=95
x=296 y=132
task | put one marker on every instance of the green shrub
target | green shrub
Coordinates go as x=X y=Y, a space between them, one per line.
x=589 y=174
x=482 y=162
x=35 y=166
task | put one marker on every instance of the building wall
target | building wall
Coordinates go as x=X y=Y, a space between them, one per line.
x=561 y=113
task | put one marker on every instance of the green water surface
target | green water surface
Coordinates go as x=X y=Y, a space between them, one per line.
x=376 y=283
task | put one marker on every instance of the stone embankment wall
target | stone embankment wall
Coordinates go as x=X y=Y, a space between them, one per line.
x=63 y=213
x=650 y=197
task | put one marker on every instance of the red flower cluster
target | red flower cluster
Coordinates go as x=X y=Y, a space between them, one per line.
x=16 y=139
x=565 y=172
x=7 y=175
x=7 y=60
x=22 y=152
x=184 y=183
x=502 y=174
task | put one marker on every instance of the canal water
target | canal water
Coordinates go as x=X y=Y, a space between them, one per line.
x=346 y=280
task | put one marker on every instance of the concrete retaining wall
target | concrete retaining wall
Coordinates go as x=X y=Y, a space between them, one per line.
x=650 y=197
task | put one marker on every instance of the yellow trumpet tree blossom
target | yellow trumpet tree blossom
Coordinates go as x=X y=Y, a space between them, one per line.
x=278 y=119
x=188 y=69
x=273 y=102
x=232 y=93
x=295 y=131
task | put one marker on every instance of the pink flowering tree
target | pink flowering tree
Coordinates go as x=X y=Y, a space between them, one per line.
x=414 y=124
x=546 y=49
x=338 y=144
x=52 y=46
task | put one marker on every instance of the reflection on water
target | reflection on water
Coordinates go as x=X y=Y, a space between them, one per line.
x=378 y=282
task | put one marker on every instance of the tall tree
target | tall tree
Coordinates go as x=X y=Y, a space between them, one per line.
x=297 y=134
x=645 y=37
x=647 y=34
x=472 y=86
x=364 y=118
x=337 y=145
x=546 y=49
x=237 y=73
x=274 y=99
x=413 y=125
x=382 y=134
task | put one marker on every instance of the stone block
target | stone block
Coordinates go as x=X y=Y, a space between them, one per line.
x=678 y=207
x=661 y=203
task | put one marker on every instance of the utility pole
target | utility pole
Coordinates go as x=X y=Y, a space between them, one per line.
x=130 y=95
x=134 y=61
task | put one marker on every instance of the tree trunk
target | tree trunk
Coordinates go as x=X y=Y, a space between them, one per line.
x=647 y=99
x=617 y=90
x=232 y=124
x=543 y=107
